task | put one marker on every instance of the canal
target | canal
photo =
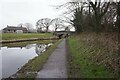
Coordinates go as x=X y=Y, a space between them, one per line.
x=14 y=56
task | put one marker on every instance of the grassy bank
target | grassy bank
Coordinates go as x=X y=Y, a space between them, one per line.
x=29 y=69
x=23 y=44
x=14 y=36
x=92 y=55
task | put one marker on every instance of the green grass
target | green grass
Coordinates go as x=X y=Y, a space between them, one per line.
x=36 y=63
x=23 y=44
x=81 y=63
x=14 y=36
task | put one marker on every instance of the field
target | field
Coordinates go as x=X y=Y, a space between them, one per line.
x=13 y=36
x=92 y=56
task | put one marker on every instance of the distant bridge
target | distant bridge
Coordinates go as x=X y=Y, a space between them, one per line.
x=61 y=34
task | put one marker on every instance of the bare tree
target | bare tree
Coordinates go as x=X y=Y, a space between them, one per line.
x=43 y=23
x=75 y=9
x=39 y=27
x=57 y=23
x=100 y=9
x=29 y=26
x=109 y=18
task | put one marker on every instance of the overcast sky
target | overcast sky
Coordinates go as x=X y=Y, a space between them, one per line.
x=14 y=12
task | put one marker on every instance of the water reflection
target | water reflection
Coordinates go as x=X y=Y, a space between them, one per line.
x=39 y=48
x=13 y=57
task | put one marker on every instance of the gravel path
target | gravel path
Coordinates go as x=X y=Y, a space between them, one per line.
x=55 y=67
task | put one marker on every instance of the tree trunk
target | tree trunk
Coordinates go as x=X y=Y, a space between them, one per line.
x=55 y=29
x=47 y=28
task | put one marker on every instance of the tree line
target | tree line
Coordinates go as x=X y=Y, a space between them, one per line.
x=92 y=16
x=43 y=25
x=84 y=16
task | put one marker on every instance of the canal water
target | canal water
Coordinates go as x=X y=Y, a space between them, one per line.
x=14 y=57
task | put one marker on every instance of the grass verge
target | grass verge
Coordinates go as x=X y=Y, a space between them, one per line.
x=14 y=36
x=81 y=60
x=23 y=44
x=29 y=70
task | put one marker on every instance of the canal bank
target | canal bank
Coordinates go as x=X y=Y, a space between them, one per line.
x=24 y=40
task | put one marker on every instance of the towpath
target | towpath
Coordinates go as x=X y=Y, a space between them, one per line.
x=55 y=67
